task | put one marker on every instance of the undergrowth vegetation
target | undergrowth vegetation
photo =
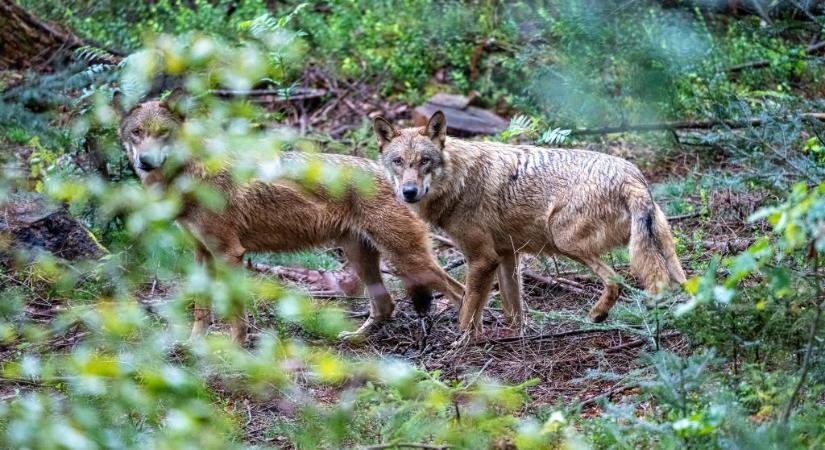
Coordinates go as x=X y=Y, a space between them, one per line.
x=94 y=352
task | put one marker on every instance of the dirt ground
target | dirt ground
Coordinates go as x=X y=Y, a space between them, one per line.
x=559 y=348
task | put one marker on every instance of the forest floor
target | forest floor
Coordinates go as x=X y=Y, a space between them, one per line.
x=571 y=360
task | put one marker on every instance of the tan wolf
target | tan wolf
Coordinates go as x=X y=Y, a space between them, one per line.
x=282 y=216
x=496 y=201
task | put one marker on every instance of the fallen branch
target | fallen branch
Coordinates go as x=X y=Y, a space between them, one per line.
x=608 y=394
x=765 y=63
x=319 y=283
x=686 y=125
x=543 y=337
x=281 y=95
x=638 y=343
x=40 y=382
x=680 y=217
x=568 y=284
x=406 y=445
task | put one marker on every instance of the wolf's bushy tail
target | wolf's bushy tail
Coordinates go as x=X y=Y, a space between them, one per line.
x=652 y=253
x=422 y=299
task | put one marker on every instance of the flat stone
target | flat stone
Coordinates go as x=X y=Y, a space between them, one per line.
x=462 y=119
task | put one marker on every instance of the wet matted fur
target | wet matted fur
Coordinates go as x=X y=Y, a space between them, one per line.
x=284 y=216
x=496 y=201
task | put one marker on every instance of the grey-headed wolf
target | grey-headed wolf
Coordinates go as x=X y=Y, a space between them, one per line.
x=283 y=216
x=496 y=201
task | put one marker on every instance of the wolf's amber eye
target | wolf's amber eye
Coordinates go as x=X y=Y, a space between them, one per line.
x=136 y=132
x=397 y=161
x=424 y=161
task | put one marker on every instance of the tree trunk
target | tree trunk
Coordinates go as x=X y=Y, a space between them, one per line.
x=29 y=43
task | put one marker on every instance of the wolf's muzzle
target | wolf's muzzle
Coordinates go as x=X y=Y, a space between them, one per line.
x=151 y=160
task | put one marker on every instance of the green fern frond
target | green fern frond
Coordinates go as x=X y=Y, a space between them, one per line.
x=553 y=136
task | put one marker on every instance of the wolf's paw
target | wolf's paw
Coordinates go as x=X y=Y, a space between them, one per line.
x=597 y=316
x=360 y=335
x=463 y=341
x=352 y=337
x=514 y=327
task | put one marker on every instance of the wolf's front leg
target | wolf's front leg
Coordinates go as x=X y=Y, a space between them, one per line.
x=201 y=315
x=479 y=282
x=232 y=251
x=201 y=319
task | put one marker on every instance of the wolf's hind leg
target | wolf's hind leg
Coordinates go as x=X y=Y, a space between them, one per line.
x=509 y=281
x=437 y=279
x=233 y=252
x=365 y=259
x=228 y=248
x=611 y=290
x=410 y=254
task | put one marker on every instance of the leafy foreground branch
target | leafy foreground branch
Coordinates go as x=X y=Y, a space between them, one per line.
x=125 y=381
x=811 y=341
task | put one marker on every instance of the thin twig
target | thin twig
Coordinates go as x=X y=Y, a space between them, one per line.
x=443 y=240
x=608 y=394
x=687 y=125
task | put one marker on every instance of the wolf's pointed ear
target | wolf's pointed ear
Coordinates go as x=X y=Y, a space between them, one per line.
x=437 y=128
x=384 y=131
x=176 y=102
x=119 y=103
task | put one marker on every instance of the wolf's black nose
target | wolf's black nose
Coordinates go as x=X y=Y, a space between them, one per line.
x=410 y=192
x=150 y=160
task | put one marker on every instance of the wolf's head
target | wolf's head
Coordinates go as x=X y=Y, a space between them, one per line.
x=413 y=157
x=146 y=133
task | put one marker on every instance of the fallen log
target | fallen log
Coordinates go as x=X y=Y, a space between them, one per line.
x=31 y=223
x=30 y=43
x=320 y=283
